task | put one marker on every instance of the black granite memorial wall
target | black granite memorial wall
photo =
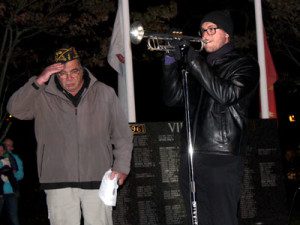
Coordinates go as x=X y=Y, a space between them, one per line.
x=151 y=194
x=263 y=198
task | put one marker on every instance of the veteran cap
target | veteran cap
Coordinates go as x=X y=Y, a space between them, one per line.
x=64 y=55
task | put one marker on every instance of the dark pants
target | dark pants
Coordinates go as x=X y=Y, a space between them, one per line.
x=217 y=182
x=9 y=204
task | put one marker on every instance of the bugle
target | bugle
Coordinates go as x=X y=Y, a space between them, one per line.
x=159 y=41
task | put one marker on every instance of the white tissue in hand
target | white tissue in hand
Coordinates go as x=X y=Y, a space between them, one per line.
x=108 y=189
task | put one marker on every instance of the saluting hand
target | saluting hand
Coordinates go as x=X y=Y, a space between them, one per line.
x=48 y=72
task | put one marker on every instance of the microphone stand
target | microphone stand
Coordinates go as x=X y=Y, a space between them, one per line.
x=183 y=50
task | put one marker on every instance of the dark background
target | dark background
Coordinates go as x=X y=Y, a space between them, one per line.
x=149 y=105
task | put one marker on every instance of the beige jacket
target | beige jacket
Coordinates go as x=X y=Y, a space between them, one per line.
x=75 y=144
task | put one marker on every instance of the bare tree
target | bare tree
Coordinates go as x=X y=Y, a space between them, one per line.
x=25 y=23
x=23 y=20
x=283 y=25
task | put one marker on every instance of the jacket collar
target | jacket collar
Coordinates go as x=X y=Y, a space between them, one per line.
x=213 y=57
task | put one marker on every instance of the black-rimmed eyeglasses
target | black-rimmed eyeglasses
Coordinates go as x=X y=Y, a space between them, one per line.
x=72 y=73
x=210 y=31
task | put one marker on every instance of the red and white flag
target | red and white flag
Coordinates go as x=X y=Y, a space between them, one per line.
x=272 y=77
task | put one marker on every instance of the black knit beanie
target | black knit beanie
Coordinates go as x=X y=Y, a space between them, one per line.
x=222 y=19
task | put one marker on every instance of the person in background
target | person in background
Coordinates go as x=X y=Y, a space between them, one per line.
x=9 y=144
x=221 y=85
x=81 y=133
x=11 y=170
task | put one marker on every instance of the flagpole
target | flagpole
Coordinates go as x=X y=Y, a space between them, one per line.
x=261 y=59
x=128 y=62
x=122 y=93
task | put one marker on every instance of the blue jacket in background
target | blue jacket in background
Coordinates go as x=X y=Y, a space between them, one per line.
x=19 y=174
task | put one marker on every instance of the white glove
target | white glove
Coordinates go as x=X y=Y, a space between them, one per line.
x=6 y=162
x=4 y=178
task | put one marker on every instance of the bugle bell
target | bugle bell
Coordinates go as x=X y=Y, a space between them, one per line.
x=159 y=41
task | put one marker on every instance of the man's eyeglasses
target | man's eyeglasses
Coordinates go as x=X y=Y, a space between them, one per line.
x=72 y=73
x=210 y=31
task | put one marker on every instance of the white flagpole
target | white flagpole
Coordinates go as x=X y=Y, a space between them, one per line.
x=122 y=93
x=264 y=104
x=128 y=62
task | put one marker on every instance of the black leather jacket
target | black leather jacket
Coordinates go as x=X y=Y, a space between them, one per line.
x=219 y=97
